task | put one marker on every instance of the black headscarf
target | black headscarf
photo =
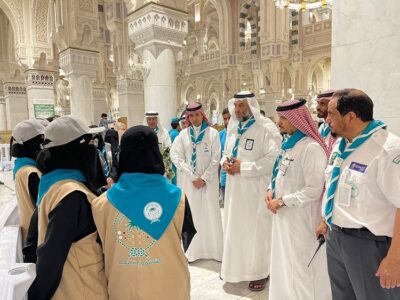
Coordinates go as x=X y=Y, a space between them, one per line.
x=78 y=155
x=112 y=138
x=140 y=152
x=29 y=148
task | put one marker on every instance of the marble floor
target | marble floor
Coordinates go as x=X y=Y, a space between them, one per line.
x=206 y=284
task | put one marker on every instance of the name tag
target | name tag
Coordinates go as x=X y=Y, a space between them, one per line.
x=249 y=144
x=358 y=167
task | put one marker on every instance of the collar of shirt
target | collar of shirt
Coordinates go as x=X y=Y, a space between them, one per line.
x=197 y=130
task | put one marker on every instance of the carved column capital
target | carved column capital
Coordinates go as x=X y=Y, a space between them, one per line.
x=79 y=62
x=155 y=28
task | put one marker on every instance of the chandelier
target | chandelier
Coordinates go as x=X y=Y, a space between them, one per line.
x=302 y=4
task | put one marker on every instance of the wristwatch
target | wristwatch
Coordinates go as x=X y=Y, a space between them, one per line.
x=281 y=203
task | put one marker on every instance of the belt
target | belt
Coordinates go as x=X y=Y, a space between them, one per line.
x=362 y=232
x=349 y=230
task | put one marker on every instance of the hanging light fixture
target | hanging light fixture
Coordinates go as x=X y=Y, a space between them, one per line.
x=302 y=4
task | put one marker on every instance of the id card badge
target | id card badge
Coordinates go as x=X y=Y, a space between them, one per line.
x=249 y=144
x=344 y=194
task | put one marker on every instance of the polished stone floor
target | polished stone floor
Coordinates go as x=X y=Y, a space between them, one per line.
x=206 y=284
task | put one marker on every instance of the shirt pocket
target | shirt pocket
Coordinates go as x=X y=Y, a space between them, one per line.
x=356 y=180
x=89 y=256
x=205 y=149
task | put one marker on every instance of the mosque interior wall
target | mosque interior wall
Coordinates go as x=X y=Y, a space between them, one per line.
x=93 y=54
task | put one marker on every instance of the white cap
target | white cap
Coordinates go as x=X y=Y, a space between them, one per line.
x=26 y=130
x=67 y=129
x=44 y=122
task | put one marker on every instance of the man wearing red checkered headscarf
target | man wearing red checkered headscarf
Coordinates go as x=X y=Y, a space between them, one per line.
x=196 y=152
x=294 y=196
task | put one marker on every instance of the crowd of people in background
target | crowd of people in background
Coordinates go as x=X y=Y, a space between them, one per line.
x=314 y=210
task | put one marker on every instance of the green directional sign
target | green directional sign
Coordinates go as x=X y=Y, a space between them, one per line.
x=43 y=110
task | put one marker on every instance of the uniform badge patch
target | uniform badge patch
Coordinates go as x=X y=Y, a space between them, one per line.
x=396 y=160
x=153 y=212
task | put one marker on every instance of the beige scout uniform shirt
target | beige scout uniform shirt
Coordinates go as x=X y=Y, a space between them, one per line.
x=25 y=205
x=83 y=274
x=137 y=266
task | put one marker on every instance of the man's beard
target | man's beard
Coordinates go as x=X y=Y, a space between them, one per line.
x=245 y=117
x=321 y=114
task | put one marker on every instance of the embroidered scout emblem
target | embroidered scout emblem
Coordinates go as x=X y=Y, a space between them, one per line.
x=153 y=211
x=396 y=160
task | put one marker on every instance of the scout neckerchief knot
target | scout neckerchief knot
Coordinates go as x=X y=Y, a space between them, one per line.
x=195 y=142
x=149 y=201
x=22 y=162
x=156 y=130
x=240 y=132
x=345 y=150
x=325 y=130
x=51 y=178
x=288 y=144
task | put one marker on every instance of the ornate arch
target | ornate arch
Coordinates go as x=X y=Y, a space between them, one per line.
x=245 y=17
x=313 y=65
x=223 y=9
x=13 y=10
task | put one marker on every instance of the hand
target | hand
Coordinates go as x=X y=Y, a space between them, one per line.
x=389 y=272
x=226 y=166
x=268 y=198
x=322 y=228
x=110 y=183
x=274 y=205
x=198 y=183
x=235 y=167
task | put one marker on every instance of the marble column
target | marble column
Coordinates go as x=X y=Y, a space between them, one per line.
x=365 y=53
x=131 y=100
x=80 y=67
x=158 y=33
x=16 y=103
x=99 y=103
x=40 y=93
x=3 y=114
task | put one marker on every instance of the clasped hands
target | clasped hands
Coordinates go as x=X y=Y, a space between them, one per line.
x=231 y=166
x=198 y=183
x=272 y=204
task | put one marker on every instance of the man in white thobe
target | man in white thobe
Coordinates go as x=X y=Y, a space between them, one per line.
x=295 y=197
x=152 y=119
x=250 y=151
x=196 y=153
x=322 y=112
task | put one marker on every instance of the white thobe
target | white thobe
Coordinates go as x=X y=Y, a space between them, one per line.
x=164 y=140
x=300 y=183
x=204 y=202
x=247 y=240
